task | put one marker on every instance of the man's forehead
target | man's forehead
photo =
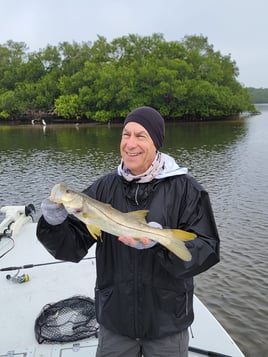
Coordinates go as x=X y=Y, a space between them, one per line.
x=135 y=127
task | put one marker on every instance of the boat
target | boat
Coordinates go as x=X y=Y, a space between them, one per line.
x=31 y=280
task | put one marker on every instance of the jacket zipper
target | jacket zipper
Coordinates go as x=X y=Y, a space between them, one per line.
x=187 y=300
x=136 y=195
x=136 y=297
x=136 y=267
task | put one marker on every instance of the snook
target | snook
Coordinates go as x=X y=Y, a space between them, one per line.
x=99 y=216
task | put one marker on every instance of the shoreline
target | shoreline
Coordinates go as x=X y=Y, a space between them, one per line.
x=53 y=120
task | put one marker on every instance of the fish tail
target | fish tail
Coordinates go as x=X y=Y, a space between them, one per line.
x=177 y=247
x=182 y=235
x=174 y=241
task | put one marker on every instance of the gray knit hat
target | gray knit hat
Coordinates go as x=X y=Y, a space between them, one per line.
x=151 y=120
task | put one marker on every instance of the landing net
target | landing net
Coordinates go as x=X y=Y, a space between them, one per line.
x=67 y=320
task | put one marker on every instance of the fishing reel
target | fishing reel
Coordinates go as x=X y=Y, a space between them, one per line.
x=23 y=278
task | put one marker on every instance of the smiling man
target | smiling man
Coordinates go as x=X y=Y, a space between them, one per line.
x=143 y=134
x=144 y=293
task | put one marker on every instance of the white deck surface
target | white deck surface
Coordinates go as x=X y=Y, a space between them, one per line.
x=20 y=304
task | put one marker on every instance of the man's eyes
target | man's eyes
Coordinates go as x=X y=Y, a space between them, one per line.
x=137 y=135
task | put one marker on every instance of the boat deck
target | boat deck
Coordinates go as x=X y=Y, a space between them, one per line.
x=51 y=281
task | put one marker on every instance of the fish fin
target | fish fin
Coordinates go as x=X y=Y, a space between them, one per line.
x=139 y=215
x=182 y=235
x=94 y=231
x=178 y=248
x=88 y=215
x=174 y=242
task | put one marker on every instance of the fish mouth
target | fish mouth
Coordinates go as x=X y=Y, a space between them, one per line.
x=54 y=198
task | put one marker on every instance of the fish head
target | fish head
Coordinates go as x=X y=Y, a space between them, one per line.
x=60 y=193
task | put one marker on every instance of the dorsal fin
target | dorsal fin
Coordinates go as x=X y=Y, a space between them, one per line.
x=139 y=215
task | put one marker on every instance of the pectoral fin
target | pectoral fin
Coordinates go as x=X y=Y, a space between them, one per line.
x=88 y=216
x=94 y=231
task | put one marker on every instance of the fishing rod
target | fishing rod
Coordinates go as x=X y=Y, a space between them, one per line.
x=28 y=266
x=206 y=352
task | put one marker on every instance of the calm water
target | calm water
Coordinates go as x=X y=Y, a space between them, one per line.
x=229 y=158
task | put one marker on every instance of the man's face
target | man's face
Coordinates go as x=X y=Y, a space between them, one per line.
x=137 y=148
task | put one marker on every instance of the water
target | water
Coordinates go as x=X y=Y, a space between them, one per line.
x=229 y=158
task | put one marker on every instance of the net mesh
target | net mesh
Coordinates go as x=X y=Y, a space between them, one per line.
x=67 y=320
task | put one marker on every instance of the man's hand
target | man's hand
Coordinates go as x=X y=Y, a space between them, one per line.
x=53 y=213
x=135 y=243
x=141 y=243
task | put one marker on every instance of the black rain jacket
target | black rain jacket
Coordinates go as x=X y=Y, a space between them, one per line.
x=142 y=293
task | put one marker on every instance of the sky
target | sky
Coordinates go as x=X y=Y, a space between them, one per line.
x=234 y=27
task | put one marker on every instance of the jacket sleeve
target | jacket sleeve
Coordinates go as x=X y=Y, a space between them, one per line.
x=196 y=216
x=68 y=241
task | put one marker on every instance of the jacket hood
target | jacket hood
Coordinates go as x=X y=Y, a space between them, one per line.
x=171 y=168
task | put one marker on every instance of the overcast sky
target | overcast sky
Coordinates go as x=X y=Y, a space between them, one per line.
x=235 y=27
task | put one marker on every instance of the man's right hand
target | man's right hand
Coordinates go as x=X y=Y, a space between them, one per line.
x=53 y=213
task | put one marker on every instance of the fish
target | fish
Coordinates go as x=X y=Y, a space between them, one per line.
x=99 y=216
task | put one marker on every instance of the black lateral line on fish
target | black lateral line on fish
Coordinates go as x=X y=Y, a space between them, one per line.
x=117 y=222
x=142 y=229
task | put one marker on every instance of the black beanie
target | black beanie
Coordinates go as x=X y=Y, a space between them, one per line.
x=151 y=120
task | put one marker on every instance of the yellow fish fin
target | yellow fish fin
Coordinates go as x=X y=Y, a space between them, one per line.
x=94 y=231
x=182 y=235
x=88 y=215
x=179 y=249
x=139 y=215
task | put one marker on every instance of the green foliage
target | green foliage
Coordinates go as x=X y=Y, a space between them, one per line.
x=68 y=105
x=258 y=95
x=4 y=115
x=104 y=81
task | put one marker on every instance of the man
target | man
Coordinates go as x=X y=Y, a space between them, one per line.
x=144 y=293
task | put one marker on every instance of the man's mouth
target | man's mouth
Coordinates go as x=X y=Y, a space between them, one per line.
x=133 y=154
